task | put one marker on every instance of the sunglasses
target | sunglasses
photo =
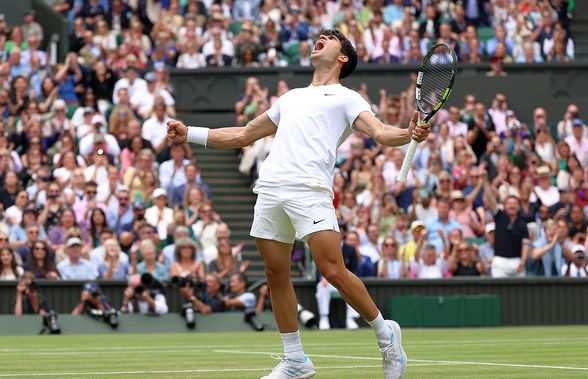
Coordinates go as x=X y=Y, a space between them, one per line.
x=3 y=239
x=463 y=249
x=390 y=244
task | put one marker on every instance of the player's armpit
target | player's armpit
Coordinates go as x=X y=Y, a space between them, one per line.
x=383 y=134
x=236 y=137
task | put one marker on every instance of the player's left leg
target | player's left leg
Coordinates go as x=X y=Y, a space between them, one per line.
x=326 y=251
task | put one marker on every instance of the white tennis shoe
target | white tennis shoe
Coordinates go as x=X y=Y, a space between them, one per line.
x=292 y=368
x=393 y=355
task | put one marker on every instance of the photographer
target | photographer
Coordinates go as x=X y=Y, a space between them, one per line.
x=204 y=297
x=145 y=295
x=29 y=301
x=240 y=299
x=96 y=305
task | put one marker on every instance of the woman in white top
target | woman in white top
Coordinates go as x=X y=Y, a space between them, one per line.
x=14 y=212
x=67 y=166
x=544 y=146
x=191 y=58
x=9 y=270
x=390 y=267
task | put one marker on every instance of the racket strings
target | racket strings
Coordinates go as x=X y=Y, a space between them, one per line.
x=437 y=75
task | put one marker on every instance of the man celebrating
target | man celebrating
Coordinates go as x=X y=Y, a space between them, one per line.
x=295 y=195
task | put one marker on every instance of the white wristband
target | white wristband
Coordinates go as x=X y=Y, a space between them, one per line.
x=198 y=135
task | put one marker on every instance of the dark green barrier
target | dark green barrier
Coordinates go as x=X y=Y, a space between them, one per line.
x=528 y=301
x=446 y=311
x=551 y=86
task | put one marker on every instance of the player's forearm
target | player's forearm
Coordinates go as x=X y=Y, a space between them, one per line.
x=392 y=136
x=224 y=138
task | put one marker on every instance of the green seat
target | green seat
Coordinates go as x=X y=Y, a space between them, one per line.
x=485 y=33
x=235 y=27
x=292 y=52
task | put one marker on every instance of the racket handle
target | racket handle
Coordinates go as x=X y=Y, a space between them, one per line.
x=403 y=175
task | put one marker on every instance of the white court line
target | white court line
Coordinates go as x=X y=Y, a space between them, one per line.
x=422 y=361
x=489 y=342
x=195 y=371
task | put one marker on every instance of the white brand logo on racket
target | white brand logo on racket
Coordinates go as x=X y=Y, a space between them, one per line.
x=420 y=78
x=418 y=93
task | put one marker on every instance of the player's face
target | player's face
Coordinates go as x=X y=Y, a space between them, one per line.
x=327 y=48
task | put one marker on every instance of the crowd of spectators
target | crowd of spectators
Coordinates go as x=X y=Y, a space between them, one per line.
x=271 y=33
x=487 y=194
x=90 y=187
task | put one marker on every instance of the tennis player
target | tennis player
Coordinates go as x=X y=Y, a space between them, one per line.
x=295 y=195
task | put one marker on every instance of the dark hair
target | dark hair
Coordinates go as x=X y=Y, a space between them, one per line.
x=48 y=261
x=347 y=49
x=13 y=264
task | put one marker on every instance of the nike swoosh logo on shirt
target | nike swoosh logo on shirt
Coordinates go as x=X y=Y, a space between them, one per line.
x=330 y=94
x=316 y=222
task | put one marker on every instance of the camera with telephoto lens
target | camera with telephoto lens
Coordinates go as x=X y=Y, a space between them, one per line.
x=50 y=322
x=251 y=319
x=109 y=314
x=189 y=314
x=306 y=317
x=148 y=283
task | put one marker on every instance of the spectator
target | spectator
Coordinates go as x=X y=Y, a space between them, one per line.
x=545 y=191
x=442 y=225
x=210 y=299
x=144 y=295
x=226 y=263
x=18 y=235
x=185 y=260
x=461 y=211
x=486 y=250
x=462 y=261
x=239 y=298
x=577 y=141
x=9 y=269
x=154 y=128
x=390 y=266
x=152 y=100
x=160 y=215
x=511 y=246
x=171 y=172
x=167 y=255
x=426 y=263
x=576 y=268
x=150 y=264
x=113 y=267
x=75 y=267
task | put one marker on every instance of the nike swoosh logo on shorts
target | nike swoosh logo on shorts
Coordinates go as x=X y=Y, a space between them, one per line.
x=316 y=222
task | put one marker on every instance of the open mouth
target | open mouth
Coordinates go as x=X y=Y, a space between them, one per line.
x=318 y=45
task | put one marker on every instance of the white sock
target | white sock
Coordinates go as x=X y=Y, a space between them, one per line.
x=379 y=326
x=292 y=345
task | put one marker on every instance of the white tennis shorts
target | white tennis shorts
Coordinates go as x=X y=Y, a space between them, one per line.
x=280 y=215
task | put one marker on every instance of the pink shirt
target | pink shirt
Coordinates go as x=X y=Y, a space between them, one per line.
x=580 y=148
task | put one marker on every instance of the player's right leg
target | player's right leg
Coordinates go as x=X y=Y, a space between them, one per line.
x=274 y=235
x=295 y=364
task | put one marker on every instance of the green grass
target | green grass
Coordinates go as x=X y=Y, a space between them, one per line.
x=432 y=353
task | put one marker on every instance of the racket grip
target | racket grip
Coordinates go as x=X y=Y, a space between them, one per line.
x=403 y=175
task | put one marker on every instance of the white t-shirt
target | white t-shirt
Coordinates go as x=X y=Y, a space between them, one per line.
x=423 y=271
x=312 y=123
x=248 y=300
x=548 y=198
x=155 y=131
x=574 y=271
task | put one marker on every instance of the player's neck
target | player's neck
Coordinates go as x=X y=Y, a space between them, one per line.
x=325 y=76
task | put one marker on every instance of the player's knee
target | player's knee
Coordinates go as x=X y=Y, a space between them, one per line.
x=335 y=275
x=274 y=276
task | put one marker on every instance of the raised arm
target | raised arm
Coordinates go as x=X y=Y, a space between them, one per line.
x=227 y=138
x=389 y=135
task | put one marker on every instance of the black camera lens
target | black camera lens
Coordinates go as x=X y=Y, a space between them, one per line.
x=139 y=290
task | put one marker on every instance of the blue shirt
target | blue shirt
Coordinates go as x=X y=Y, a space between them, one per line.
x=161 y=272
x=83 y=270
x=120 y=274
x=434 y=237
x=552 y=260
x=365 y=268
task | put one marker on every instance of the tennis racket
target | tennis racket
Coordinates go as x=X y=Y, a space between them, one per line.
x=433 y=87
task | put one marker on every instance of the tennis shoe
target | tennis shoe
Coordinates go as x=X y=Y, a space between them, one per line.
x=393 y=355
x=291 y=368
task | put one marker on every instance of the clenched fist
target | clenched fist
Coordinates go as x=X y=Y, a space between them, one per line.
x=177 y=131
